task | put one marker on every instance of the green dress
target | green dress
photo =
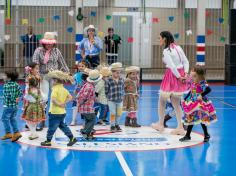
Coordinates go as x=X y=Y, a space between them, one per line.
x=34 y=111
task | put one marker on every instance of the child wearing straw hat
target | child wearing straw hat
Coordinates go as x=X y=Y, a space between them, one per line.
x=101 y=96
x=114 y=89
x=79 y=82
x=131 y=96
x=86 y=99
x=57 y=112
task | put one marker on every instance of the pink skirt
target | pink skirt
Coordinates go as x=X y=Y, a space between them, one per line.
x=171 y=85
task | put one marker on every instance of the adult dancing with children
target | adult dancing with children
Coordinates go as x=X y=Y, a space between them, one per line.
x=101 y=90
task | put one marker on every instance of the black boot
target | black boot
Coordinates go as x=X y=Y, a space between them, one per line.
x=206 y=134
x=127 y=121
x=134 y=123
x=167 y=117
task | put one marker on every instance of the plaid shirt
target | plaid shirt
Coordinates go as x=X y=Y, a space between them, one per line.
x=86 y=98
x=11 y=91
x=113 y=90
x=55 y=62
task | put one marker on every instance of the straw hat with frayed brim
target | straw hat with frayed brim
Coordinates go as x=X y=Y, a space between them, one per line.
x=105 y=71
x=116 y=66
x=48 y=38
x=132 y=69
x=94 y=76
x=57 y=74
x=86 y=71
x=90 y=27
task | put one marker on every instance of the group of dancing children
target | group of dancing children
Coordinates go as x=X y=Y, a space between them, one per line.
x=101 y=92
x=98 y=92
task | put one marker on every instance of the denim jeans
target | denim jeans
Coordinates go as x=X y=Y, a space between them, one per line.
x=89 y=122
x=103 y=111
x=9 y=119
x=55 y=121
x=115 y=112
x=94 y=61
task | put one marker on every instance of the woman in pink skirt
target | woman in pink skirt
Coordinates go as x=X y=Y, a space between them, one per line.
x=173 y=84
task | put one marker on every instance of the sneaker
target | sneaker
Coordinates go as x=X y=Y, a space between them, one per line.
x=16 y=136
x=46 y=143
x=72 y=141
x=185 y=138
x=91 y=137
x=6 y=136
x=113 y=129
x=118 y=128
x=206 y=138
x=26 y=127
x=100 y=122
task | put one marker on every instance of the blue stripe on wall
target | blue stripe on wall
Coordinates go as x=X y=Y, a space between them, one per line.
x=201 y=39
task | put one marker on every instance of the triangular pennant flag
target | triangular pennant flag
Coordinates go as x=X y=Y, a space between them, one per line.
x=108 y=17
x=71 y=13
x=56 y=17
x=7 y=37
x=70 y=29
x=189 y=32
x=123 y=20
x=100 y=34
x=24 y=21
x=130 y=40
x=209 y=32
x=155 y=20
x=93 y=13
x=7 y=21
x=171 y=18
x=176 y=35
x=41 y=20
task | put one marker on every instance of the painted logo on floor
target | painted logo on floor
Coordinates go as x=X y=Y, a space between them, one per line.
x=130 y=139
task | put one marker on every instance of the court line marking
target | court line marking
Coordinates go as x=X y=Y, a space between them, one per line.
x=123 y=163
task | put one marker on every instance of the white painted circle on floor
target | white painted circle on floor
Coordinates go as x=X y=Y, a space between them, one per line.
x=130 y=139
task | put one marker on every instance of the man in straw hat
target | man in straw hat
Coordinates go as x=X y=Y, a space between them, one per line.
x=86 y=101
x=101 y=96
x=49 y=58
x=91 y=46
x=57 y=112
x=114 y=89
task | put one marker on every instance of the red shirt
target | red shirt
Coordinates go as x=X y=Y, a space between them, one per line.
x=86 y=98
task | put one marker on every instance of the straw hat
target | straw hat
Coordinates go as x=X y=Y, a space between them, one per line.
x=90 y=27
x=116 y=66
x=86 y=71
x=94 y=76
x=63 y=76
x=105 y=71
x=48 y=38
x=132 y=69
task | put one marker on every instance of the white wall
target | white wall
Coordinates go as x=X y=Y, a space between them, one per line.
x=149 y=3
x=210 y=4
x=39 y=2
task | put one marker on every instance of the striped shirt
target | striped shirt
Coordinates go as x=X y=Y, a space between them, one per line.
x=11 y=91
x=55 y=62
x=114 y=90
x=86 y=98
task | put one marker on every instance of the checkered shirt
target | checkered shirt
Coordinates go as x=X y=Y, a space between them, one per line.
x=114 y=90
x=86 y=98
x=11 y=91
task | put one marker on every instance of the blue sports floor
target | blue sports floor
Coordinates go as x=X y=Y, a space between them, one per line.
x=216 y=158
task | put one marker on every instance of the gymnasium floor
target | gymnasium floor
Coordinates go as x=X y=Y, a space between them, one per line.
x=214 y=158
